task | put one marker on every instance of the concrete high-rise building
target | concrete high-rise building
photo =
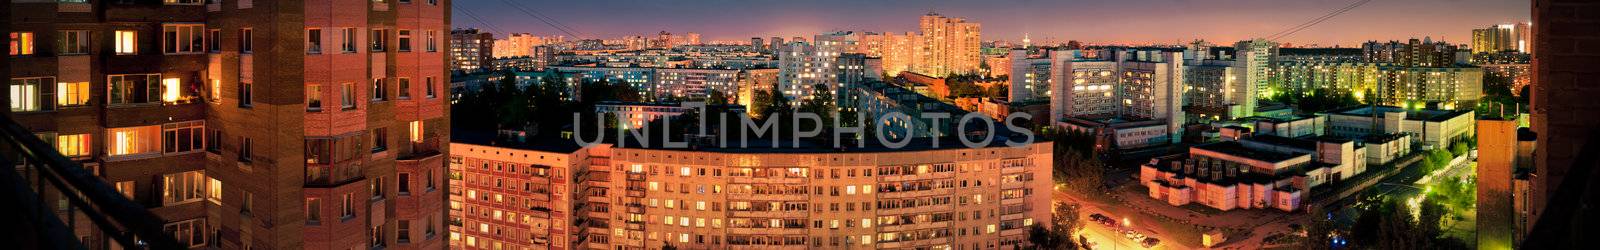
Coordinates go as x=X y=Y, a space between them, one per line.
x=951 y=46
x=1503 y=37
x=757 y=45
x=470 y=50
x=1254 y=66
x=516 y=45
x=804 y=67
x=1030 y=76
x=1414 y=53
x=777 y=44
x=691 y=39
x=1118 y=83
x=542 y=195
x=327 y=135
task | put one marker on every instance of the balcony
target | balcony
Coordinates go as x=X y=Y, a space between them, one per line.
x=42 y=175
x=333 y=174
x=422 y=149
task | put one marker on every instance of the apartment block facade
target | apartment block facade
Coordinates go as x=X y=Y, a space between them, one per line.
x=635 y=198
x=219 y=116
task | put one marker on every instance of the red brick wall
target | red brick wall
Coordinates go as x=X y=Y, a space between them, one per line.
x=1566 y=78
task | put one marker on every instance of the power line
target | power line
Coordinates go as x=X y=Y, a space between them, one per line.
x=1313 y=20
x=480 y=20
x=1319 y=20
x=550 y=22
x=548 y=17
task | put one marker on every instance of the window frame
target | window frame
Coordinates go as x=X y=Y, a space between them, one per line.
x=127 y=96
x=314 y=41
x=73 y=42
x=23 y=43
x=40 y=99
x=246 y=40
x=176 y=44
x=125 y=42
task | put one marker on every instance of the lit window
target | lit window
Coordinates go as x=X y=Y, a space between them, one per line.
x=133 y=140
x=21 y=43
x=72 y=94
x=127 y=42
x=171 y=91
x=74 y=145
x=416 y=129
x=182 y=2
x=31 y=94
x=314 y=97
x=214 y=190
x=182 y=187
x=125 y=188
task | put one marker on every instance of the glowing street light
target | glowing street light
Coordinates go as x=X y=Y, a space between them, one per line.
x=1126 y=222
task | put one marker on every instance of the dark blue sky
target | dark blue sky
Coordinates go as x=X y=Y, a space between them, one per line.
x=1095 y=21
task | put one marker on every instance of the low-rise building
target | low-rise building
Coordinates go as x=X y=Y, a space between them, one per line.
x=1429 y=128
x=1117 y=134
x=1291 y=126
x=1253 y=171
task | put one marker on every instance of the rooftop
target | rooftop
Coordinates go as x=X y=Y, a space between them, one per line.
x=1432 y=115
x=1236 y=149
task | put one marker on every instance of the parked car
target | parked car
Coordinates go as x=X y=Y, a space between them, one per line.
x=1150 y=242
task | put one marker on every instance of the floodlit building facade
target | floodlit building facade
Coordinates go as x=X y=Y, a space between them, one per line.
x=609 y=197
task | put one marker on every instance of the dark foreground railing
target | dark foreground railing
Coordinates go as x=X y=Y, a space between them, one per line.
x=1570 y=213
x=34 y=191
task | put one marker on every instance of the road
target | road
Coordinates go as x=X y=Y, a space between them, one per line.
x=1107 y=237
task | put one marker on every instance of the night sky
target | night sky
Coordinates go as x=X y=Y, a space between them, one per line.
x=1097 y=21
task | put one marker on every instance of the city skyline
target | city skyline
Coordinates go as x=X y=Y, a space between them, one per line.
x=1138 y=22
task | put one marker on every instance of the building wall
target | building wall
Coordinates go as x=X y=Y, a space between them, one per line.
x=1563 y=100
x=1497 y=153
x=824 y=190
x=650 y=198
x=245 y=137
x=512 y=198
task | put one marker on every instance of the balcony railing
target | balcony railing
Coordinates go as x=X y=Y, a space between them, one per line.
x=41 y=177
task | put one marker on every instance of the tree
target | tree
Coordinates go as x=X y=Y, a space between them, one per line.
x=1319 y=235
x=1077 y=166
x=1064 y=222
x=1458 y=148
x=1043 y=238
x=821 y=104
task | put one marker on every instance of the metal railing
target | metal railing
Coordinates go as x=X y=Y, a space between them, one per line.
x=51 y=193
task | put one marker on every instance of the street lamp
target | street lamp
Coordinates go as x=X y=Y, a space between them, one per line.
x=1126 y=222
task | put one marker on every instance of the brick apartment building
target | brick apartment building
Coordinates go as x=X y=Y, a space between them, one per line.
x=247 y=124
x=536 y=195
